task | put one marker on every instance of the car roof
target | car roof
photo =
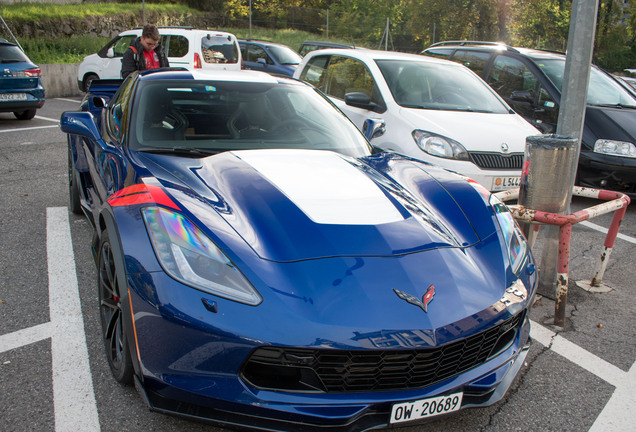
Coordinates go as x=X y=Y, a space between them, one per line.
x=327 y=44
x=174 y=30
x=247 y=76
x=370 y=55
x=499 y=46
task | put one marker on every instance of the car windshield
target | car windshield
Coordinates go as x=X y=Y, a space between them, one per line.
x=12 y=54
x=214 y=116
x=602 y=91
x=285 y=55
x=438 y=86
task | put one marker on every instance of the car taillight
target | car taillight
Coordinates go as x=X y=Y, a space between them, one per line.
x=197 y=61
x=37 y=72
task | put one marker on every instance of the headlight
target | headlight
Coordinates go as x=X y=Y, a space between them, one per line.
x=437 y=145
x=515 y=240
x=190 y=257
x=615 y=148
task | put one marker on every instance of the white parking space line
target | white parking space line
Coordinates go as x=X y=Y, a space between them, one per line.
x=617 y=416
x=47 y=119
x=73 y=394
x=27 y=128
x=618 y=412
x=25 y=337
x=69 y=100
x=604 y=230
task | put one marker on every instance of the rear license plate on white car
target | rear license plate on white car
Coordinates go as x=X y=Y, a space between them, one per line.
x=423 y=408
x=13 y=96
x=503 y=183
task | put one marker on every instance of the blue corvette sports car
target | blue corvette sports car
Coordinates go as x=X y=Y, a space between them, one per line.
x=260 y=265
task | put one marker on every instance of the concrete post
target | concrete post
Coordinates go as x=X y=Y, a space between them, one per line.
x=571 y=117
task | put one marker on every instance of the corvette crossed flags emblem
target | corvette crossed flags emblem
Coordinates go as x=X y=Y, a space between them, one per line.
x=426 y=298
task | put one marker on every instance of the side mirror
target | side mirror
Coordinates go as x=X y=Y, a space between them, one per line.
x=373 y=128
x=79 y=123
x=262 y=61
x=522 y=96
x=110 y=53
x=360 y=100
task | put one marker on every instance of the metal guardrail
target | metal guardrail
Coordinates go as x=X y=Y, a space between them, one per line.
x=615 y=202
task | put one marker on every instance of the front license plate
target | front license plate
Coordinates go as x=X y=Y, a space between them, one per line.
x=13 y=96
x=408 y=411
x=502 y=183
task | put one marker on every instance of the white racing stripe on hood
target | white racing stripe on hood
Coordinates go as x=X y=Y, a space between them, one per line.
x=324 y=186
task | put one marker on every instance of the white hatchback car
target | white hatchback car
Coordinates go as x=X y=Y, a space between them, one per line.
x=434 y=110
x=185 y=47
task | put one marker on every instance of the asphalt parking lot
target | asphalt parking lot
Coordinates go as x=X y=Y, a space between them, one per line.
x=54 y=377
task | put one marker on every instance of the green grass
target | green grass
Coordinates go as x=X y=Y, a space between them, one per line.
x=66 y=50
x=40 y=11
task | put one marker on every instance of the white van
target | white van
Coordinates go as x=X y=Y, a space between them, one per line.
x=185 y=47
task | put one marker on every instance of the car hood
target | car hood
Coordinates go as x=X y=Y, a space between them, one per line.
x=609 y=123
x=479 y=132
x=293 y=205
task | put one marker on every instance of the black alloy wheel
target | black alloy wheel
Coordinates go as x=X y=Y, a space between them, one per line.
x=112 y=318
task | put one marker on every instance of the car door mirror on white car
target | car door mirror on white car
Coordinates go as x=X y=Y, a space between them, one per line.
x=110 y=53
x=360 y=100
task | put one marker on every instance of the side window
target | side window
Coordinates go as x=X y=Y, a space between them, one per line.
x=473 y=60
x=219 y=49
x=314 y=72
x=442 y=53
x=118 y=108
x=508 y=75
x=176 y=46
x=548 y=112
x=122 y=45
x=347 y=75
x=255 y=52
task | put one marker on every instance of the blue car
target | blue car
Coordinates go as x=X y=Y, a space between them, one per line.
x=260 y=265
x=21 y=90
x=269 y=57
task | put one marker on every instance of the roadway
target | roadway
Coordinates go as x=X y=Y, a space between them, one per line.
x=53 y=373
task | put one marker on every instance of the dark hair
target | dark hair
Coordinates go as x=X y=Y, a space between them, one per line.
x=150 y=31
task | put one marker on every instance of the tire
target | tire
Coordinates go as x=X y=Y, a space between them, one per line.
x=111 y=314
x=73 y=187
x=24 y=115
x=87 y=80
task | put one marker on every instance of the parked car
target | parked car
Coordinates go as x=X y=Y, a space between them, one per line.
x=434 y=110
x=185 y=47
x=269 y=57
x=530 y=81
x=259 y=265
x=308 y=46
x=21 y=90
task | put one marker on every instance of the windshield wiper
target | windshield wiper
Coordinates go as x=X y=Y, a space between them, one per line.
x=617 y=105
x=181 y=151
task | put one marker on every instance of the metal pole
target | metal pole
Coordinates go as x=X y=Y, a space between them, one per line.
x=327 y=25
x=9 y=30
x=250 y=20
x=571 y=117
x=386 y=32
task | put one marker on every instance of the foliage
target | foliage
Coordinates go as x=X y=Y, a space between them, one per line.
x=66 y=50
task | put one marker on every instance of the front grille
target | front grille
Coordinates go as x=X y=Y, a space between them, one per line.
x=339 y=371
x=497 y=160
